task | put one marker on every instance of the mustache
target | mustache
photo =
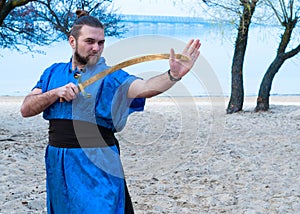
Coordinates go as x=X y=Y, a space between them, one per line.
x=97 y=53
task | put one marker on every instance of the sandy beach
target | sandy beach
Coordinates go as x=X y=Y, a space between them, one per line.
x=181 y=155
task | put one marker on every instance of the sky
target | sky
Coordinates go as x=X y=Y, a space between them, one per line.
x=27 y=68
x=153 y=7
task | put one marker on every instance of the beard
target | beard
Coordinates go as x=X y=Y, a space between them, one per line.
x=86 y=60
x=80 y=59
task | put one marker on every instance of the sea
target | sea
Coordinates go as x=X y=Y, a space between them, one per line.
x=147 y=35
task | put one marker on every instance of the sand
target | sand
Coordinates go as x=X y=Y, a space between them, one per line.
x=181 y=155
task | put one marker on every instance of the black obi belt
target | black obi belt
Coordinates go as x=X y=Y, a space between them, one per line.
x=79 y=134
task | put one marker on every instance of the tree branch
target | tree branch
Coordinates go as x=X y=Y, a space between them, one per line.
x=17 y=3
x=292 y=53
x=9 y=6
x=284 y=11
x=2 y=2
x=291 y=4
x=275 y=11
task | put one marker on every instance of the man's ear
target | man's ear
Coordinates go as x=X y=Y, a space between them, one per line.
x=72 y=41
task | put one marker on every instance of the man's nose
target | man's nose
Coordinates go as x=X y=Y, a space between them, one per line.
x=96 y=47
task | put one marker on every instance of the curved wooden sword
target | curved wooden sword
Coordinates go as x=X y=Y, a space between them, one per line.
x=146 y=58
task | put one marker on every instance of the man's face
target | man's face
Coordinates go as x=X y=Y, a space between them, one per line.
x=89 y=45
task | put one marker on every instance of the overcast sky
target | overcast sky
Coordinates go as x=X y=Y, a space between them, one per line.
x=153 y=7
x=27 y=68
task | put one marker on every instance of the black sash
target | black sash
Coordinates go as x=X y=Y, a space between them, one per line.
x=79 y=134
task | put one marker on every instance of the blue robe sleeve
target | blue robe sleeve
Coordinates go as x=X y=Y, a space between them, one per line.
x=113 y=106
x=122 y=106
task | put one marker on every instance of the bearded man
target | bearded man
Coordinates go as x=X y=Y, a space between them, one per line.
x=83 y=168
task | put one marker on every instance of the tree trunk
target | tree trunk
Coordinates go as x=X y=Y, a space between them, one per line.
x=266 y=85
x=237 y=86
x=262 y=103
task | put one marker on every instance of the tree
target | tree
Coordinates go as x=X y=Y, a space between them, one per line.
x=13 y=26
x=7 y=6
x=244 y=9
x=237 y=87
x=29 y=23
x=288 y=16
x=60 y=15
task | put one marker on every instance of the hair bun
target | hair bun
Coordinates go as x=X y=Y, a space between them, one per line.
x=80 y=13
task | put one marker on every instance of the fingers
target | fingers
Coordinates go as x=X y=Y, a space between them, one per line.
x=192 y=49
x=188 y=45
x=172 y=54
x=68 y=92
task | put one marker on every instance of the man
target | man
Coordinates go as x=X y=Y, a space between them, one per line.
x=83 y=168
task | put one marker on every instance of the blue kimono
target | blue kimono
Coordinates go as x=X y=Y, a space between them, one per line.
x=88 y=180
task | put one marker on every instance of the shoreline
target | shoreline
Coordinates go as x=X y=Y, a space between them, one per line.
x=274 y=99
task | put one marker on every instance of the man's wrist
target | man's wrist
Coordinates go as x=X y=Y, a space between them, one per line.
x=172 y=78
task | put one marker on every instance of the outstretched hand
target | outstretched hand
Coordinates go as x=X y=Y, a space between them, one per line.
x=179 y=68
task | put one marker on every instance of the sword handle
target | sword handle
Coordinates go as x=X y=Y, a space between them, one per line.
x=81 y=88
